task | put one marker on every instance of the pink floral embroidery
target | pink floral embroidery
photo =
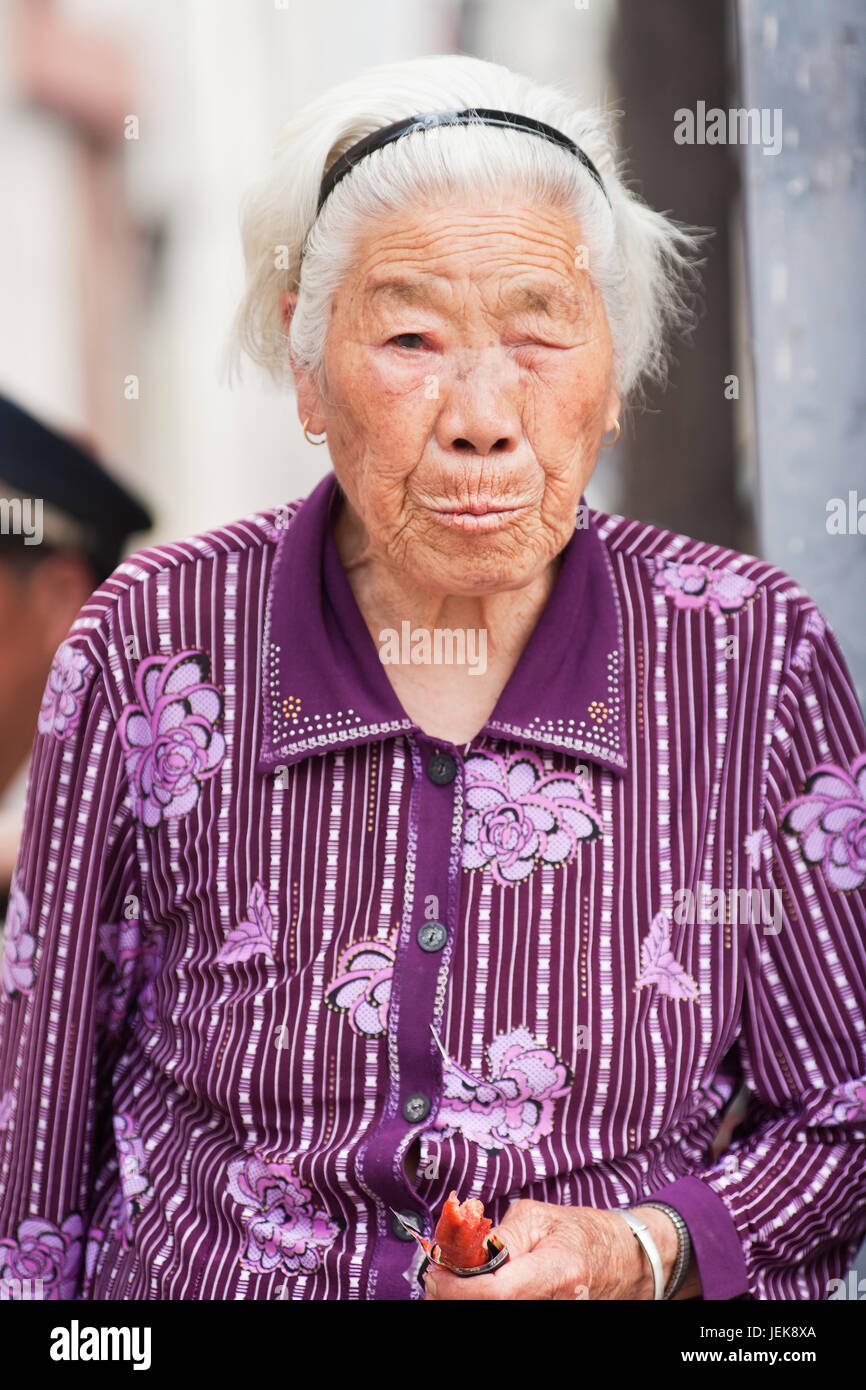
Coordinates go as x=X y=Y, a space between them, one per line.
x=701 y=586
x=93 y=1244
x=152 y=955
x=126 y=1201
x=134 y=1182
x=252 y=935
x=519 y=815
x=285 y=1230
x=46 y=1252
x=515 y=1106
x=171 y=744
x=362 y=985
x=829 y=819
x=658 y=966
x=63 y=697
x=849 y=1105
x=17 y=973
x=135 y=963
x=121 y=943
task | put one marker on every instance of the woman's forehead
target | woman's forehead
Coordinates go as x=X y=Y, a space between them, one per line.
x=526 y=289
x=536 y=231
x=530 y=256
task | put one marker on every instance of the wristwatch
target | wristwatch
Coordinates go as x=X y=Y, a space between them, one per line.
x=684 y=1248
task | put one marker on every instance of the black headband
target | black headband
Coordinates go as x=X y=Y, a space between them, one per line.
x=480 y=115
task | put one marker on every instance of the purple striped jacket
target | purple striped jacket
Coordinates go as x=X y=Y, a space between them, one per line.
x=278 y=963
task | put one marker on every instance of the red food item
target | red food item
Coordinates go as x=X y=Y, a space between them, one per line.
x=461 y=1232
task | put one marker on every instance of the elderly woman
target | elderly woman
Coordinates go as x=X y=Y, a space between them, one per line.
x=434 y=832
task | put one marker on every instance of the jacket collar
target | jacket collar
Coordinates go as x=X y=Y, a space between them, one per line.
x=324 y=686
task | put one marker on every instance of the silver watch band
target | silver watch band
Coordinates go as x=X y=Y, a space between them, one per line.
x=684 y=1248
x=650 y=1249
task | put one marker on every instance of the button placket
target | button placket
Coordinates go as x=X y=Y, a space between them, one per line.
x=431 y=936
x=415 y=1062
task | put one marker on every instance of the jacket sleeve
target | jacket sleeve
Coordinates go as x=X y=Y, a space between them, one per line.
x=783 y=1212
x=68 y=976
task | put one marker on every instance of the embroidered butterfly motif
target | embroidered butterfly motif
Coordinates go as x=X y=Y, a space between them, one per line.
x=658 y=966
x=254 y=934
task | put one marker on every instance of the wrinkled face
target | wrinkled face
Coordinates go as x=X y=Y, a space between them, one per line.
x=468 y=383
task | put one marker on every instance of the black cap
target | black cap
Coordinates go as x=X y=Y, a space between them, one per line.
x=84 y=508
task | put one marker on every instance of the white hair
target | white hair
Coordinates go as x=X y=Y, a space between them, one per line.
x=639 y=259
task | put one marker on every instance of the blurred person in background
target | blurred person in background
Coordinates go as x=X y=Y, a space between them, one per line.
x=63 y=524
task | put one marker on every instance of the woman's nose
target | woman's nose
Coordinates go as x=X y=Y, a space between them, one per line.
x=479 y=415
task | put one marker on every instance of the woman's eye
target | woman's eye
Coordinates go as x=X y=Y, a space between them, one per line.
x=401 y=340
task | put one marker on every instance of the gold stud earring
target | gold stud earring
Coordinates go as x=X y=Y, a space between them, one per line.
x=606 y=443
x=307 y=437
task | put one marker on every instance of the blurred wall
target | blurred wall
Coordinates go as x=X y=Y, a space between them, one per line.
x=805 y=233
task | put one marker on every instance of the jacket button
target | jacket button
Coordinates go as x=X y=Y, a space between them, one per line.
x=431 y=936
x=416 y=1108
x=442 y=769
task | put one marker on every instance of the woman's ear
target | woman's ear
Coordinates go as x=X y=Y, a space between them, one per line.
x=309 y=399
x=309 y=402
x=613 y=408
x=287 y=308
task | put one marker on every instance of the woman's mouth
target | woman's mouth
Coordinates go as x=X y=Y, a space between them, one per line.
x=478 y=516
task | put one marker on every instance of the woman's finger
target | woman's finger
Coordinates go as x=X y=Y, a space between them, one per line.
x=522 y=1227
x=530 y=1276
